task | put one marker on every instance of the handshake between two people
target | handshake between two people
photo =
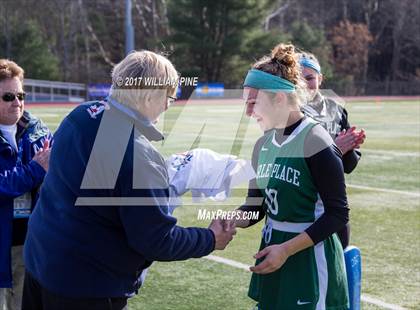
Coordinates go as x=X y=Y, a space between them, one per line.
x=223 y=231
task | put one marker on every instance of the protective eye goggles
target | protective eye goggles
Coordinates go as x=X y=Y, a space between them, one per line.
x=9 y=97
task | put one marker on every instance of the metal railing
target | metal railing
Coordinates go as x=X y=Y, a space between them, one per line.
x=51 y=91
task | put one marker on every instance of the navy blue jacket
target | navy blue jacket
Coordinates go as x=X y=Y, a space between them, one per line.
x=95 y=230
x=19 y=175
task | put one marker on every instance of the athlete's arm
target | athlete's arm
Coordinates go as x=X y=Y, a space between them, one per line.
x=350 y=160
x=277 y=254
x=352 y=157
x=253 y=203
x=327 y=172
x=254 y=199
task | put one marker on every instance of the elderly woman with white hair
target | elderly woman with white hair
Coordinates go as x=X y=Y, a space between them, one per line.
x=102 y=217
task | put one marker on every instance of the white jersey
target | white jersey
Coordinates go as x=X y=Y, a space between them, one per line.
x=206 y=174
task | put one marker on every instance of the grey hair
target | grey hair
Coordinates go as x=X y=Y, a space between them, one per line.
x=128 y=78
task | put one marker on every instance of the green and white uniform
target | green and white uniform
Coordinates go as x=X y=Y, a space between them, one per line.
x=314 y=278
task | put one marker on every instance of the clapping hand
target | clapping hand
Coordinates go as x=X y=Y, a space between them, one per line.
x=223 y=233
x=350 y=139
x=42 y=157
x=361 y=136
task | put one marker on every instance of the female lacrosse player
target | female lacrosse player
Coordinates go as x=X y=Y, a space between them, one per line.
x=299 y=189
x=334 y=118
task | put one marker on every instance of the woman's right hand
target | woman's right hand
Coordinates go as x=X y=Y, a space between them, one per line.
x=42 y=157
x=237 y=221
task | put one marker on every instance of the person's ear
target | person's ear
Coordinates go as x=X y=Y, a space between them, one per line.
x=148 y=100
x=320 y=79
x=281 y=97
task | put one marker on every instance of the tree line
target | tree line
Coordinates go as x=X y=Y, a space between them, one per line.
x=364 y=46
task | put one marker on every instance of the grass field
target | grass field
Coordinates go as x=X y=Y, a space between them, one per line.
x=385 y=225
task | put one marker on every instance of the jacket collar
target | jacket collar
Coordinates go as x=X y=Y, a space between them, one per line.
x=22 y=125
x=318 y=104
x=145 y=126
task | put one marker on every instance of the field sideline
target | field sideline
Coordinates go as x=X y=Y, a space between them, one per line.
x=384 y=196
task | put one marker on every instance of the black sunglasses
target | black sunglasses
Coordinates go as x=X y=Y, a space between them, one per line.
x=9 y=97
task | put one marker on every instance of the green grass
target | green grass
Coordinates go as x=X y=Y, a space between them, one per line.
x=386 y=226
x=194 y=284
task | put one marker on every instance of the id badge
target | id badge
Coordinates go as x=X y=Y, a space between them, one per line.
x=22 y=206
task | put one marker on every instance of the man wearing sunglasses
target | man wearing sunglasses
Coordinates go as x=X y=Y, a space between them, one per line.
x=24 y=154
